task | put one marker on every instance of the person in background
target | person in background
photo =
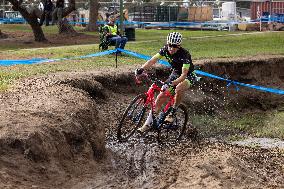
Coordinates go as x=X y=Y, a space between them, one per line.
x=112 y=33
x=58 y=12
x=47 y=10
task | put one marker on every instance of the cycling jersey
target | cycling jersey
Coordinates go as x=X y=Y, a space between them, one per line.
x=112 y=29
x=178 y=60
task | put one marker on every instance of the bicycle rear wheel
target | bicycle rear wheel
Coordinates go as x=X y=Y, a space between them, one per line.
x=131 y=118
x=172 y=132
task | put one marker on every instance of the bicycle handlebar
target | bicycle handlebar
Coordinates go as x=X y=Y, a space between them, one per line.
x=148 y=77
x=153 y=80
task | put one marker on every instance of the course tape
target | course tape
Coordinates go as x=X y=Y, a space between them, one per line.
x=142 y=56
x=163 y=62
x=41 y=60
x=230 y=82
x=271 y=90
x=15 y=62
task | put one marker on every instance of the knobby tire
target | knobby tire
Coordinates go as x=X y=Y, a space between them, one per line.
x=178 y=126
x=131 y=117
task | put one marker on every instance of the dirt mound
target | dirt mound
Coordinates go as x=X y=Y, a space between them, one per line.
x=51 y=123
x=58 y=131
x=262 y=71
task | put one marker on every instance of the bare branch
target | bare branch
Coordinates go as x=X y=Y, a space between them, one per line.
x=70 y=8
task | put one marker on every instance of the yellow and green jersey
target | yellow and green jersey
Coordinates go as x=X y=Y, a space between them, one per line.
x=180 y=59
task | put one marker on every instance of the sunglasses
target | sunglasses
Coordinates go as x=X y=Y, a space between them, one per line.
x=173 y=46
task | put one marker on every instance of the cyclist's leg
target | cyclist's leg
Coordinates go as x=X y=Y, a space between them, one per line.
x=182 y=87
x=180 y=91
x=179 y=95
x=160 y=100
x=147 y=124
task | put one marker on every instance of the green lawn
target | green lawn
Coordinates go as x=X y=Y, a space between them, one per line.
x=266 y=124
x=27 y=28
x=213 y=47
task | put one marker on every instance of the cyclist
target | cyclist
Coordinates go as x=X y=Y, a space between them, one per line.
x=181 y=78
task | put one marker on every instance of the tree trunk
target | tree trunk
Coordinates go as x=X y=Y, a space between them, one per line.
x=37 y=30
x=38 y=33
x=2 y=35
x=31 y=18
x=65 y=28
x=93 y=15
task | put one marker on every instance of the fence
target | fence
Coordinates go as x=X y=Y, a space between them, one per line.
x=168 y=14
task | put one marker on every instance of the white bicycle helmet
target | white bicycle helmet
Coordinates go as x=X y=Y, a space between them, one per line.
x=174 y=38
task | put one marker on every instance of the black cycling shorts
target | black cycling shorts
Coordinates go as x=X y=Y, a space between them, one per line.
x=191 y=78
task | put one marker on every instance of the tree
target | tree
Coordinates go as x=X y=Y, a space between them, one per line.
x=93 y=15
x=31 y=16
x=64 y=26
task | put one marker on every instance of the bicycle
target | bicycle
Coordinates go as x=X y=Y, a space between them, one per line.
x=135 y=113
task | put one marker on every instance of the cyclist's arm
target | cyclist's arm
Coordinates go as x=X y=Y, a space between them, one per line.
x=152 y=61
x=183 y=75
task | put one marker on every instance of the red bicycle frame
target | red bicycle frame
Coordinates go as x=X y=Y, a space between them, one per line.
x=151 y=97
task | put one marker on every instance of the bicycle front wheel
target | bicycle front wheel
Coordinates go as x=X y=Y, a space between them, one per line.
x=131 y=118
x=172 y=132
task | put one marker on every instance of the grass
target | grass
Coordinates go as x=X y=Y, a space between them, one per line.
x=11 y=73
x=229 y=46
x=214 y=47
x=266 y=124
x=27 y=28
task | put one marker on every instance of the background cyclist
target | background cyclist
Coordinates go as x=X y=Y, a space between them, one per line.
x=180 y=79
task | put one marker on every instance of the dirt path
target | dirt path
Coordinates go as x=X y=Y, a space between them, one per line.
x=189 y=164
x=58 y=131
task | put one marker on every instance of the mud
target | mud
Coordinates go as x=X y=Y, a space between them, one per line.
x=58 y=131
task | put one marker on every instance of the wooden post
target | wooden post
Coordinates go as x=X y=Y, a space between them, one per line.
x=260 y=23
x=116 y=59
x=121 y=17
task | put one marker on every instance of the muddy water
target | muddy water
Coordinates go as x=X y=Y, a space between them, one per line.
x=204 y=163
x=143 y=163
